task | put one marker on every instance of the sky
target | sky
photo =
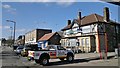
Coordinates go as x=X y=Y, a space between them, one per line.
x=47 y=15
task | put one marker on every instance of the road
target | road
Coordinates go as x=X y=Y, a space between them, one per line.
x=9 y=58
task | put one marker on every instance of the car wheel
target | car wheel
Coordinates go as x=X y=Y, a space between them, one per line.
x=29 y=59
x=70 y=58
x=44 y=61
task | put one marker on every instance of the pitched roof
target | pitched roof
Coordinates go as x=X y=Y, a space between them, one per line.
x=61 y=33
x=93 y=18
x=46 y=36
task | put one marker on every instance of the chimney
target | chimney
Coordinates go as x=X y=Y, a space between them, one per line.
x=69 y=22
x=106 y=14
x=79 y=15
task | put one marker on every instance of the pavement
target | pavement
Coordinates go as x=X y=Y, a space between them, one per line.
x=93 y=55
x=89 y=56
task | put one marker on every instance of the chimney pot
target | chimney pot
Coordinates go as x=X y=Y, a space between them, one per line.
x=79 y=15
x=106 y=14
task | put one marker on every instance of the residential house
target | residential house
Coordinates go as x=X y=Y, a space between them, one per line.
x=49 y=39
x=34 y=35
x=92 y=33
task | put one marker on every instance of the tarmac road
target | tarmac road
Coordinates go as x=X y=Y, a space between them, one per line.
x=9 y=58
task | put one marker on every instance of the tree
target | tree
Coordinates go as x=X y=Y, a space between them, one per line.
x=3 y=41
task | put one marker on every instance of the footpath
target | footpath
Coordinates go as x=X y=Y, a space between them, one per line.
x=93 y=56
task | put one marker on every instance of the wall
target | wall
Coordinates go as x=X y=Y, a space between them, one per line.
x=55 y=39
x=41 y=33
x=0 y=43
x=111 y=36
x=87 y=45
x=89 y=30
x=30 y=36
x=35 y=35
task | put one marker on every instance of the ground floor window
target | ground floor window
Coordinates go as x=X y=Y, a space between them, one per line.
x=82 y=42
x=87 y=41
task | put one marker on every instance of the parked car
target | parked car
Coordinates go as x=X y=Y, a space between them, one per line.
x=30 y=51
x=25 y=50
x=53 y=52
x=15 y=47
x=19 y=49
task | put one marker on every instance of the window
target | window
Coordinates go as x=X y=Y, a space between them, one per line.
x=60 y=48
x=82 y=42
x=117 y=29
x=51 y=48
x=78 y=43
x=62 y=42
x=87 y=41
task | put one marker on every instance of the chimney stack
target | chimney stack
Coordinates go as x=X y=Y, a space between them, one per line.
x=69 y=22
x=79 y=15
x=106 y=14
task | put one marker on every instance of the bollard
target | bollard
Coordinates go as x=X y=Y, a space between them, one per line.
x=104 y=54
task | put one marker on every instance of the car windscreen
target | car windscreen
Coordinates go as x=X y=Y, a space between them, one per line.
x=20 y=48
x=32 y=47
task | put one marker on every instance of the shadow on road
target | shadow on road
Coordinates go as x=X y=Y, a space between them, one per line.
x=75 y=61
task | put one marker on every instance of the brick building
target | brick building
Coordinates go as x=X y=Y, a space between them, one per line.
x=34 y=35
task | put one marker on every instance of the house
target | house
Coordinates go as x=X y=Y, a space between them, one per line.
x=92 y=33
x=34 y=35
x=49 y=39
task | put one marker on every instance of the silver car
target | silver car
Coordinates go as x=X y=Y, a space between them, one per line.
x=19 y=49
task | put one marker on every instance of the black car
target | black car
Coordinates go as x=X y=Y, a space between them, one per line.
x=27 y=47
x=25 y=50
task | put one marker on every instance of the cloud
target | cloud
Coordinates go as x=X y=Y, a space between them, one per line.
x=59 y=2
x=9 y=8
x=7 y=27
x=65 y=2
x=0 y=26
x=4 y=27
x=49 y=0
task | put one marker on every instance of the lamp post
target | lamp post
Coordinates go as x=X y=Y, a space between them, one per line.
x=11 y=32
x=14 y=29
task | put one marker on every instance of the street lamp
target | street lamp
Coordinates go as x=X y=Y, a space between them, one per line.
x=11 y=29
x=14 y=29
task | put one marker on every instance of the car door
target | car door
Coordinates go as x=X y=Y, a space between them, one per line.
x=61 y=52
x=52 y=52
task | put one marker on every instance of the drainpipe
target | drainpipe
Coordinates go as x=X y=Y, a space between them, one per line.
x=99 y=43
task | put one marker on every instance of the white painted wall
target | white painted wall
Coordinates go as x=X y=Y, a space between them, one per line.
x=85 y=29
x=0 y=42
